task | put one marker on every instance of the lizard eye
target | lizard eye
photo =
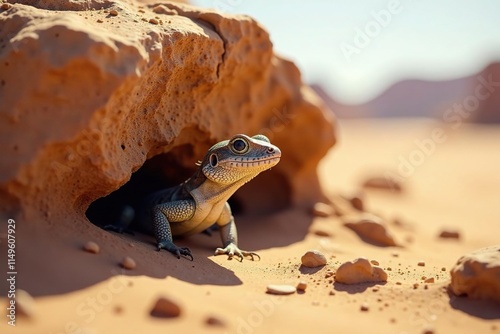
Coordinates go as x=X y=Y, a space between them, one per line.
x=214 y=160
x=239 y=146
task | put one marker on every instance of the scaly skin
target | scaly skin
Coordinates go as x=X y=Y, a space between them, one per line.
x=201 y=201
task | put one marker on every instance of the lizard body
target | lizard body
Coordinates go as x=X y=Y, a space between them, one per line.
x=199 y=202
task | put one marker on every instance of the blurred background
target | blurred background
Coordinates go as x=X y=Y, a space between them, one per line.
x=389 y=58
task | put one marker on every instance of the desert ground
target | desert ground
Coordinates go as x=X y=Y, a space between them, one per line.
x=453 y=187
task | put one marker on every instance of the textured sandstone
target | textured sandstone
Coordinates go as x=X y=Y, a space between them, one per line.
x=370 y=228
x=359 y=271
x=477 y=274
x=88 y=97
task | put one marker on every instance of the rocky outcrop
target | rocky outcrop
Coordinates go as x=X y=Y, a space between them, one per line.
x=91 y=90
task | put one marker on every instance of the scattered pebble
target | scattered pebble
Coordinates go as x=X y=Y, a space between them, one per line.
x=429 y=280
x=395 y=254
x=364 y=307
x=449 y=234
x=384 y=183
x=329 y=273
x=280 y=289
x=165 y=308
x=25 y=304
x=375 y=289
x=359 y=271
x=99 y=21
x=415 y=286
x=322 y=233
x=322 y=210
x=370 y=228
x=374 y=262
x=91 y=247
x=128 y=263
x=421 y=263
x=332 y=293
x=313 y=259
x=443 y=269
x=153 y=21
x=357 y=202
x=215 y=321
x=6 y=6
x=428 y=330
x=476 y=274
x=302 y=286
x=113 y=12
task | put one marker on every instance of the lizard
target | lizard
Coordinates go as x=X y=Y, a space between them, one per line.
x=201 y=201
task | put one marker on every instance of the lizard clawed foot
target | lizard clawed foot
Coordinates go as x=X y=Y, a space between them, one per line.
x=118 y=229
x=232 y=250
x=177 y=251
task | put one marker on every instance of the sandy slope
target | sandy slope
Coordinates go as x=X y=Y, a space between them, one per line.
x=456 y=185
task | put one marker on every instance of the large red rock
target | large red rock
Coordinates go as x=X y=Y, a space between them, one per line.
x=88 y=97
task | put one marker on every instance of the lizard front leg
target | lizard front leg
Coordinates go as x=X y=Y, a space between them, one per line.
x=229 y=236
x=165 y=213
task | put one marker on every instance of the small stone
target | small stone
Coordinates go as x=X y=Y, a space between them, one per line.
x=374 y=262
x=449 y=234
x=99 y=21
x=128 y=263
x=332 y=293
x=215 y=321
x=6 y=6
x=429 y=280
x=329 y=273
x=322 y=233
x=375 y=289
x=25 y=304
x=302 y=286
x=415 y=286
x=395 y=254
x=322 y=210
x=313 y=259
x=398 y=283
x=359 y=271
x=428 y=330
x=370 y=228
x=357 y=202
x=153 y=21
x=91 y=247
x=365 y=307
x=476 y=274
x=421 y=263
x=383 y=183
x=165 y=308
x=280 y=289
x=113 y=12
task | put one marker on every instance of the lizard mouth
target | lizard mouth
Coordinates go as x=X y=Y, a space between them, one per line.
x=252 y=162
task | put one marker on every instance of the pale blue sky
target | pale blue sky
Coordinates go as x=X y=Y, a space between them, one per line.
x=423 y=39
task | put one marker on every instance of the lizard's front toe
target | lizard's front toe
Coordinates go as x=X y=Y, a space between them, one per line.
x=177 y=251
x=232 y=250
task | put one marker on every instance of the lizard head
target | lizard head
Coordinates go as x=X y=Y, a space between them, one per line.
x=240 y=158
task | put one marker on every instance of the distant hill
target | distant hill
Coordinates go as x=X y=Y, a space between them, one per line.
x=421 y=98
